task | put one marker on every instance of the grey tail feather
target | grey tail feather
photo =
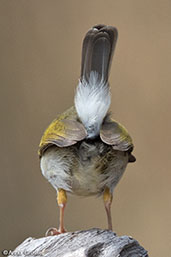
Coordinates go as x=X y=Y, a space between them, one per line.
x=97 y=51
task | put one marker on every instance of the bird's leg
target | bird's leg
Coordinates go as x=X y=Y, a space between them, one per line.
x=107 y=197
x=61 y=200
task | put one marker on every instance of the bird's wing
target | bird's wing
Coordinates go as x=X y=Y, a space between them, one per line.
x=62 y=133
x=113 y=133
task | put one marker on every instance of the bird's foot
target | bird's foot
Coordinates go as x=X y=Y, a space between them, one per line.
x=55 y=231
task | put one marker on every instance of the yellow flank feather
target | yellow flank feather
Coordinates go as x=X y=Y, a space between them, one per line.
x=57 y=128
x=124 y=133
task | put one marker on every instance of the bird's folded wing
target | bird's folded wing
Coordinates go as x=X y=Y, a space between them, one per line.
x=62 y=133
x=113 y=133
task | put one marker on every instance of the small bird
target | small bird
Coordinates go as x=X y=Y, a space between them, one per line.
x=84 y=151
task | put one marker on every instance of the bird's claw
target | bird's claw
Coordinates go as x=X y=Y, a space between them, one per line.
x=54 y=231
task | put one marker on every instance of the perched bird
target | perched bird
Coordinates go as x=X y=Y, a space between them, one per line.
x=84 y=151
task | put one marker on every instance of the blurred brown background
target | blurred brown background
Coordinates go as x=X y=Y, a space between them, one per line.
x=40 y=49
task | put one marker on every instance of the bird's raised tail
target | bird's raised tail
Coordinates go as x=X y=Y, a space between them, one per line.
x=92 y=99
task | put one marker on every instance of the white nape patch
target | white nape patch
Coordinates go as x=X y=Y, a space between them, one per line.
x=92 y=101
